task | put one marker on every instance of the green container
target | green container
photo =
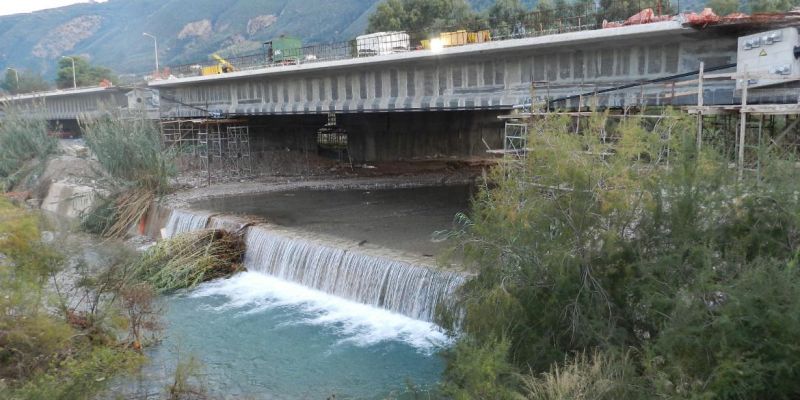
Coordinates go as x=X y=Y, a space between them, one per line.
x=285 y=49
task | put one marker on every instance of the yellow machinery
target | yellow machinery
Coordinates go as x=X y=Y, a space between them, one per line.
x=459 y=38
x=222 y=67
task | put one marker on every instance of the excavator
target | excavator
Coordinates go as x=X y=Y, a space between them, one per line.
x=223 y=66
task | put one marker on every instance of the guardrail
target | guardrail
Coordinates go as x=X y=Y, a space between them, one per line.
x=579 y=17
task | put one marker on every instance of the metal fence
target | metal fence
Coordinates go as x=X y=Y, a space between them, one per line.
x=577 y=17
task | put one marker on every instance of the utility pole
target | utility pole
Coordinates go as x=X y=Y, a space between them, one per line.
x=74 y=81
x=155 y=44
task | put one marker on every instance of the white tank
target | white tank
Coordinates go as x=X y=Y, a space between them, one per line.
x=382 y=43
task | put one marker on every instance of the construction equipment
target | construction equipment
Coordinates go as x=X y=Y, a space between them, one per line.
x=223 y=67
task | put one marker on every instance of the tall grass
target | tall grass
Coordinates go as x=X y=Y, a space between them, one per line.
x=583 y=377
x=130 y=149
x=22 y=138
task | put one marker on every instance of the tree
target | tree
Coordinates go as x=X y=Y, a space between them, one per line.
x=724 y=7
x=25 y=82
x=506 y=16
x=773 y=5
x=85 y=73
x=419 y=15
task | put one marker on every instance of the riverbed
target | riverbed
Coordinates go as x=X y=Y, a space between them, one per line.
x=404 y=219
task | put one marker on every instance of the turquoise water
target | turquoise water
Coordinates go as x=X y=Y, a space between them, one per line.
x=263 y=338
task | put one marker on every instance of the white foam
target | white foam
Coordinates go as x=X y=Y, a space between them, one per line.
x=358 y=324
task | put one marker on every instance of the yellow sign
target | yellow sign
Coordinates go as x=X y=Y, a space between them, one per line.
x=763 y=53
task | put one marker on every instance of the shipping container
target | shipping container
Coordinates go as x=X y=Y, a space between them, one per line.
x=284 y=50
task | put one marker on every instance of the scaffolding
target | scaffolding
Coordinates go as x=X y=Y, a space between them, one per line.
x=219 y=148
x=332 y=139
x=755 y=127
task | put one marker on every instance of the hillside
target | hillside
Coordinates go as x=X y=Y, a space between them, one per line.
x=111 y=33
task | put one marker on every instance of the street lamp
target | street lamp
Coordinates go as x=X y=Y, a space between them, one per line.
x=16 y=75
x=74 y=81
x=155 y=43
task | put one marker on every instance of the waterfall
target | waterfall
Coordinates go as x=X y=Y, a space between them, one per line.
x=181 y=221
x=399 y=286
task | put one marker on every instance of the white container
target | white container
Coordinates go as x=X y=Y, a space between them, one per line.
x=382 y=43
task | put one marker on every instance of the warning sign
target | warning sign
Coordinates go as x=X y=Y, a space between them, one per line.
x=763 y=53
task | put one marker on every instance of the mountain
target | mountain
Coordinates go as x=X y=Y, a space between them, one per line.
x=110 y=33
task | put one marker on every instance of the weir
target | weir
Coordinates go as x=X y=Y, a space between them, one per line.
x=181 y=221
x=340 y=269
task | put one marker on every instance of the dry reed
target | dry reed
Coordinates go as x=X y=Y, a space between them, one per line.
x=189 y=259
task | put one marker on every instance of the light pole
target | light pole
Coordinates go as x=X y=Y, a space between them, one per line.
x=74 y=81
x=155 y=43
x=16 y=75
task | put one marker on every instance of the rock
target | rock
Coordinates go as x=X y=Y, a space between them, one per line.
x=65 y=37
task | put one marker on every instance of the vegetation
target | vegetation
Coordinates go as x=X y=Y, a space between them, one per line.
x=418 y=15
x=131 y=151
x=25 y=81
x=24 y=146
x=629 y=243
x=503 y=17
x=187 y=382
x=771 y=5
x=189 y=259
x=43 y=354
x=85 y=73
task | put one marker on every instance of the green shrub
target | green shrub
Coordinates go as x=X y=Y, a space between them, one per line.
x=733 y=339
x=79 y=376
x=479 y=371
x=643 y=242
x=45 y=354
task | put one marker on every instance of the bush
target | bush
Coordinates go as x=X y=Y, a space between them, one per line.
x=733 y=339
x=79 y=376
x=643 y=242
x=44 y=355
x=479 y=371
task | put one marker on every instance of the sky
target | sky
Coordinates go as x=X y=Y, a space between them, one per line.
x=23 y=6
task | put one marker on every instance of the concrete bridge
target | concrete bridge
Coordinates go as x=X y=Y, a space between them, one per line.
x=483 y=76
x=455 y=93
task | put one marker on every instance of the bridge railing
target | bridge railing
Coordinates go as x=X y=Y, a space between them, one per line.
x=580 y=16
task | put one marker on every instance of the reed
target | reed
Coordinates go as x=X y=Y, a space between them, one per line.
x=189 y=259
x=130 y=149
x=22 y=139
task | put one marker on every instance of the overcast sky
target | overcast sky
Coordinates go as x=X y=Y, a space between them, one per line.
x=24 y=6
